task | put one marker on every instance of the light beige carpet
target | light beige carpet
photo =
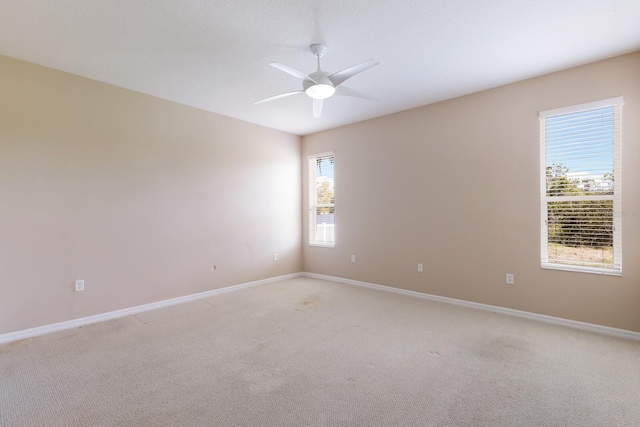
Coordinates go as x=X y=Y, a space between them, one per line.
x=305 y=352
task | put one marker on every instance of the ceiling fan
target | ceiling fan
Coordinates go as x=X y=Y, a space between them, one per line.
x=320 y=84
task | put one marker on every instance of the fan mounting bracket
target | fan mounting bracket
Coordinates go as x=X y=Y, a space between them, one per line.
x=318 y=49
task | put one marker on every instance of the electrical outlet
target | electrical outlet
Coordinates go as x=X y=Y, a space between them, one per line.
x=79 y=285
x=510 y=279
x=275 y=257
x=353 y=258
x=420 y=268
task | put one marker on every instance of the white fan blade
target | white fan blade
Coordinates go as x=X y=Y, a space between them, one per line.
x=282 y=95
x=341 y=76
x=317 y=108
x=295 y=73
x=347 y=91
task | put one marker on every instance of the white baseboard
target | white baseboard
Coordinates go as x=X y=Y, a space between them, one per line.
x=70 y=324
x=590 y=327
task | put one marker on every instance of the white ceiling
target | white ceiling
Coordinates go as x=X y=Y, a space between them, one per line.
x=214 y=54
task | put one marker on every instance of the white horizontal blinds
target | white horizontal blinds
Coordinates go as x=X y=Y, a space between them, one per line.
x=581 y=188
x=580 y=152
x=322 y=200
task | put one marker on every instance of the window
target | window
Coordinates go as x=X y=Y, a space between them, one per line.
x=321 y=200
x=580 y=187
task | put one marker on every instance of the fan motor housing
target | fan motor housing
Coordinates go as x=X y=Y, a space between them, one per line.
x=321 y=77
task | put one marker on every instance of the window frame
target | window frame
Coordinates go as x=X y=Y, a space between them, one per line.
x=616 y=198
x=313 y=205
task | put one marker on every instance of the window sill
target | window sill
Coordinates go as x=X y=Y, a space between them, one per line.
x=323 y=245
x=582 y=269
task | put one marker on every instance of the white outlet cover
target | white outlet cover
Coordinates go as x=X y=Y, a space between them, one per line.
x=79 y=285
x=353 y=258
x=420 y=268
x=510 y=279
x=275 y=257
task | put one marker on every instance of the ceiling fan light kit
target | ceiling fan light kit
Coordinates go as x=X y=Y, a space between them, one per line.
x=320 y=91
x=320 y=84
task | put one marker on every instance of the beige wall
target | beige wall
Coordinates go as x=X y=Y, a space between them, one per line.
x=455 y=186
x=138 y=196
x=141 y=197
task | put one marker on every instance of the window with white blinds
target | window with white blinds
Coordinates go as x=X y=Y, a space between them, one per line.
x=322 y=210
x=580 y=187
